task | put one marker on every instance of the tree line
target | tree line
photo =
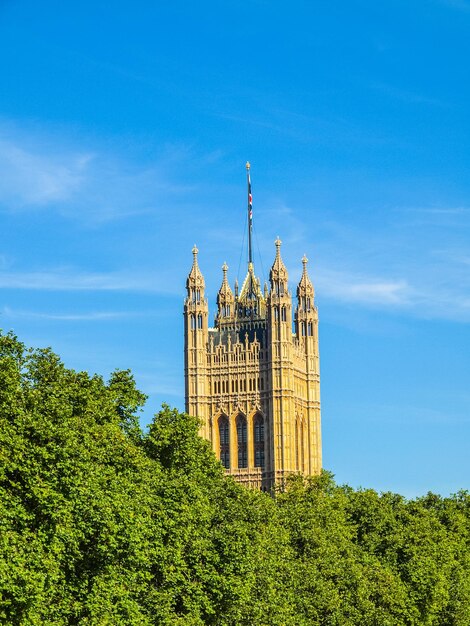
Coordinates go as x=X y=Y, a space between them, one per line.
x=104 y=524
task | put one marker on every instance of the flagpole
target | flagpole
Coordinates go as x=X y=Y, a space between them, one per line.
x=250 y=213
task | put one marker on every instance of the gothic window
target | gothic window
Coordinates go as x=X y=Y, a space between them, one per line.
x=199 y=321
x=302 y=448
x=281 y=289
x=193 y=322
x=276 y=314
x=303 y=329
x=227 y=310
x=198 y=295
x=224 y=439
x=242 y=441
x=310 y=329
x=283 y=314
x=258 y=427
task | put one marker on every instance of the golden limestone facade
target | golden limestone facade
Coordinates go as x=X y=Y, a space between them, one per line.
x=254 y=378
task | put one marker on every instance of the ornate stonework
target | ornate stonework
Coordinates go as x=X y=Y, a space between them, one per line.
x=252 y=379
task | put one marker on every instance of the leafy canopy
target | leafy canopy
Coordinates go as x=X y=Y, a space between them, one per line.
x=103 y=524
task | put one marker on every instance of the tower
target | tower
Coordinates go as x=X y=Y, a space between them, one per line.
x=252 y=380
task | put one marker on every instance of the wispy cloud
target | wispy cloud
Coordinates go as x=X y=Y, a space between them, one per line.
x=422 y=300
x=66 y=317
x=87 y=182
x=31 y=178
x=70 y=280
x=342 y=286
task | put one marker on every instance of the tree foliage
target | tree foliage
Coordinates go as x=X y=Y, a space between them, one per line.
x=102 y=524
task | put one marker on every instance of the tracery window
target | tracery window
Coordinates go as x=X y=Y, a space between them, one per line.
x=242 y=441
x=224 y=441
x=258 y=427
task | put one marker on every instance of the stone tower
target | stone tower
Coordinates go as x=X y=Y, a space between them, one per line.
x=252 y=379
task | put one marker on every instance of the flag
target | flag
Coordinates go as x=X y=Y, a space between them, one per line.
x=250 y=201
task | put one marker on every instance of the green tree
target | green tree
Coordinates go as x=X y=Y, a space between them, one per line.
x=102 y=524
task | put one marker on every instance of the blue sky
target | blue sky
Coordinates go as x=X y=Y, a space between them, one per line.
x=124 y=132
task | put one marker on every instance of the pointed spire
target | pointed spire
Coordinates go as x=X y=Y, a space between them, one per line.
x=305 y=278
x=225 y=291
x=195 y=276
x=225 y=297
x=305 y=286
x=278 y=270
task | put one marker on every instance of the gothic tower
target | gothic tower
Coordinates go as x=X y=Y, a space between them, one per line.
x=253 y=382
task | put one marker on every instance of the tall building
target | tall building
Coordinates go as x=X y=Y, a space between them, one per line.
x=254 y=377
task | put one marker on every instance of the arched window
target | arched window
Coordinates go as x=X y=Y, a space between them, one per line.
x=224 y=439
x=242 y=441
x=193 y=322
x=276 y=314
x=303 y=329
x=283 y=314
x=310 y=329
x=258 y=427
x=199 y=321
